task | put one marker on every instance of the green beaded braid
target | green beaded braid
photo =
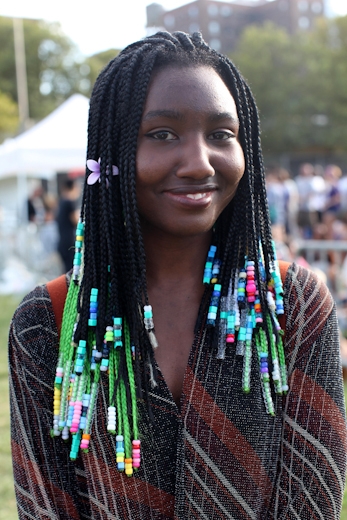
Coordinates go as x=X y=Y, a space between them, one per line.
x=263 y=354
x=131 y=376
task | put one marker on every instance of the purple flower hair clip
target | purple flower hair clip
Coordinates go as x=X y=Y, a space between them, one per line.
x=94 y=167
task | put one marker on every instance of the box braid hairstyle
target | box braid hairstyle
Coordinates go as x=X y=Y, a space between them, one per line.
x=111 y=336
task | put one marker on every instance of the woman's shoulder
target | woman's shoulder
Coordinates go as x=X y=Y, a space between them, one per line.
x=309 y=310
x=34 y=321
x=306 y=287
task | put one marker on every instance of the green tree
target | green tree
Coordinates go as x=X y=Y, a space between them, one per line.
x=8 y=116
x=52 y=61
x=264 y=56
x=299 y=84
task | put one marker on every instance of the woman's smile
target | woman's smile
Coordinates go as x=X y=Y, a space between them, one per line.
x=189 y=160
x=192 y=196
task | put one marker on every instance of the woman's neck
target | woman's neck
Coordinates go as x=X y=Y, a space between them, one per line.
x=169 y=258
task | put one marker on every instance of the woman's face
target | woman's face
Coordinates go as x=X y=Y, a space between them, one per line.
x=189 y=160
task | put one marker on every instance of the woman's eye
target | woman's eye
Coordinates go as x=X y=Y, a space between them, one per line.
x=163 y=135
x=221 y=135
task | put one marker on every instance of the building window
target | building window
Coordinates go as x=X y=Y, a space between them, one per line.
x=225 y=10
x=214 y=28
x=212 y=10
x=215 y=44
x=303 y=5
x=317 y=7
x=193 y=11
x=169 y=21
x=304 y=22
x=193 y=27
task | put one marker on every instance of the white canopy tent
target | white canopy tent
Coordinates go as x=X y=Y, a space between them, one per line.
x=56 y=144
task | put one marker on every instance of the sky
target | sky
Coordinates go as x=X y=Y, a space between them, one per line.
x=101 y=25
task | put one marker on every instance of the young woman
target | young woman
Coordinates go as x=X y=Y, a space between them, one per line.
x=177 y=391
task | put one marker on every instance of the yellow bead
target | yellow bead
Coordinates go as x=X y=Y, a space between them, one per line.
x=214 y=280
x=129 y=471
x=79 y=238
x=120 y=459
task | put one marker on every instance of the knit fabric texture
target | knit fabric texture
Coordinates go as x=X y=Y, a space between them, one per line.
x=219 y=456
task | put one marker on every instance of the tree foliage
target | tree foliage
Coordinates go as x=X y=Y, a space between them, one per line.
x=55 y=70
x=299 y=82
x=52 y=64
x=8 y=116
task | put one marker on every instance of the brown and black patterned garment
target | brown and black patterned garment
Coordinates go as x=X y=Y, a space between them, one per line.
x=219 y=456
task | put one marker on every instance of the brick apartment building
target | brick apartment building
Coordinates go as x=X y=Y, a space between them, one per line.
x=222 y=23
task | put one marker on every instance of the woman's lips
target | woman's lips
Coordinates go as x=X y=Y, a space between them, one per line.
x=192 y=199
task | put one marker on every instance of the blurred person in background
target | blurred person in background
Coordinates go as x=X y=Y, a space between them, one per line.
x=35 y=206
x=342 y=186
x=67 y=218
x=292 y=204
x=196 y=375
x=277 y=196
x=332 y=204
x=307 y=217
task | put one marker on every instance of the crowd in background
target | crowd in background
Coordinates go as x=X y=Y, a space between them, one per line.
x=312 y=205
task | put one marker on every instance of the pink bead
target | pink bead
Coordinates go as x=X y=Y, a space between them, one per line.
x=136 y=452
x=230 y=340
x=136 y=463
x=84 y=445
x=259 y=320
x=251 y=299
x=136 y=443
x=250 y=287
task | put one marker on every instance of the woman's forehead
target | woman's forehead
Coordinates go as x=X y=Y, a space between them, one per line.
x=193 y=86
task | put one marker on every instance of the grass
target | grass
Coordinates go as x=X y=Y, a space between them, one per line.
x=8 y=509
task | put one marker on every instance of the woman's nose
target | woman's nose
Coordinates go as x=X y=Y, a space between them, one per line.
x=195 y=160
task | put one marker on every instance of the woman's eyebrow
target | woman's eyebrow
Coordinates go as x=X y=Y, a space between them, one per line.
x=219 y=116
